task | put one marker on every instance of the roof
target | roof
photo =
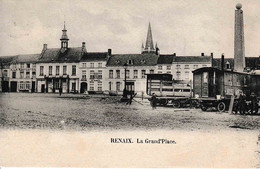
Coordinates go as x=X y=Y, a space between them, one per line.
x=94 y=56
x=216 y=62
x=251 y=62
x=165 y=59
x=148 y=59
x=6 y=59
x=55 y=55
x=31 y=58
x=192 y=59
x=203 y=69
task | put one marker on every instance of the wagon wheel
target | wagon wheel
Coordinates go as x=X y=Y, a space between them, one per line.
x=203 y=107
x=221 y=107
x=164 y=102
x=176 y=104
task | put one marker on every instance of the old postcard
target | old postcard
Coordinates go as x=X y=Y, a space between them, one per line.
x=139 y=84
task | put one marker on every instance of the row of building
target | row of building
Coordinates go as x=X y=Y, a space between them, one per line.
x=75 y=70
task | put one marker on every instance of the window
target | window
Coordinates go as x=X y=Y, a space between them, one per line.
x=99 y=64
x=186 y=66
x=111 y=74
x=99 y=86
x=127 y=73
x=57 y=70
x=64 y=70
x=73 y=87
x=28 y=65
x=117 y=73
x=92 y=74
x=21 y=65
x=168 y=72
x=228 y=65
x=22 y=85
x=41 y=70
x=130 y=62
x=84 y=74
x=5 y=73
x=110 y=85
x=73 y=70
x=160 y=67
x=91 y=86
x=195 y=66
x=99 y=74
x=205 y=77
x=178 y=66
x=187 y=74
x=50 y=70
x=118 y=86
x=91 y=65
x=33 y=74
x=169 y=67
x=143 y=73
x=151 y=71
x=14 y=75
x=178 y=75
x=21 y=74
x=204 y=65
x=27 y=75
x=27 y=85
x=135 y=74
x=84 y=65
x=14 y=65
x=34 y=65
x=56 y=85
x=159 y=72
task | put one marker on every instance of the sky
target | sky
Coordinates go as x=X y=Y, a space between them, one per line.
x=184 y=27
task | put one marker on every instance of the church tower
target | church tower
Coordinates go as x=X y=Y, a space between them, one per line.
x=239 y=47
x=149 y=48
x=64 y=39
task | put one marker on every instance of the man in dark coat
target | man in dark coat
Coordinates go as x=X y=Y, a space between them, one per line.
x=153 y=101
x=242 y=103
x=254 y=106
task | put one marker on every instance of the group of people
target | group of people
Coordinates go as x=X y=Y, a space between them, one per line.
x=243 y=107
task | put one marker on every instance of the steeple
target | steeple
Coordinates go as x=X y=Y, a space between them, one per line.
x=149 y=48
x=64 y=38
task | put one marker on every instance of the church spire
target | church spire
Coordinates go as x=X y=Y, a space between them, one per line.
x=64 y=38
x=149 y=48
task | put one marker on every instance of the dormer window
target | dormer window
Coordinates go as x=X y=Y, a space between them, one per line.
x=143 y=61
x=117 y=61
x=227 y=65
x=130 y=62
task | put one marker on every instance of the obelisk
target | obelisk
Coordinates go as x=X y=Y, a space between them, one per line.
x=239 y=47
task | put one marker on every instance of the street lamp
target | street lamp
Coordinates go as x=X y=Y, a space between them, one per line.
x=124 y=98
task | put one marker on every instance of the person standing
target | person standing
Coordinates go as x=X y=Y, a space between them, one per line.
x=254 y=105
x=242 y=103
x=60 y=90
x=153 y=101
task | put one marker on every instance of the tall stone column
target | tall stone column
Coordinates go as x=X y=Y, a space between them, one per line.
x=239 y=47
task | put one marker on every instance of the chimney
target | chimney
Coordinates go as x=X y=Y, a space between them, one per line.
x=174 y=54
x=202 y=54
x=222 y=61
x=109 y=52
x=44 y=47
x=211 y=54
x=83 y=47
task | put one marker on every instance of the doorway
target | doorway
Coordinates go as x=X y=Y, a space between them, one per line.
x=13 y=86
x=83 y=87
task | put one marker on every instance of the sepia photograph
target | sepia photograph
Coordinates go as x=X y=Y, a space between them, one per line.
x=130 y=84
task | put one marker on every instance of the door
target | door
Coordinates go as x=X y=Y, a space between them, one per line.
x=42 y=88
x=5 y=87
x=83 y=87
x=73 y=87
x=130 y=87
x=205 y=84
x=13 y=86
x=33 y=87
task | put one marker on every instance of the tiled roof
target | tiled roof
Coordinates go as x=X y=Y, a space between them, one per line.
x=32 y=58
x=251 y=62
x=192 y=59
x=6 y=59
x=165 y=59
x=55 y=55
x=94 y=56
x=138 y=59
